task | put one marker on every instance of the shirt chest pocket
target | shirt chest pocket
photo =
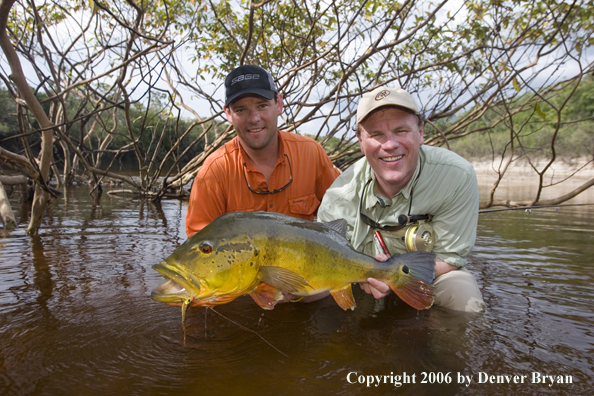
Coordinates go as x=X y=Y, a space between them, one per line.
x=305 y=204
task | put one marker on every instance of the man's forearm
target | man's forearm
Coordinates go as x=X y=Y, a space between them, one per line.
x=441 y=267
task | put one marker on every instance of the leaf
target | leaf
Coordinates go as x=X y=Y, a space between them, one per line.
x=540 y=112
x=516 y=84
x=375 y=7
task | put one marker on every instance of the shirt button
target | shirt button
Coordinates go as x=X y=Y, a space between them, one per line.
x=270 y=206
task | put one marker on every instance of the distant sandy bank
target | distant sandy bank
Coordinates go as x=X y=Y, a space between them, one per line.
x=521 y=181
x=558 y=171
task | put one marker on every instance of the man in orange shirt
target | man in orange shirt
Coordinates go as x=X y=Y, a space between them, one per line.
x=262 y=168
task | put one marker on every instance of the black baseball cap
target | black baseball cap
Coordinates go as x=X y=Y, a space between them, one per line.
x=249 y=79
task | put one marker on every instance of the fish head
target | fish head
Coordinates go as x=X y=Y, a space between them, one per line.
x=208 y=270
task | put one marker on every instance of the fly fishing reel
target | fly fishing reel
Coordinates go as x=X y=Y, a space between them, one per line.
x=417 y=233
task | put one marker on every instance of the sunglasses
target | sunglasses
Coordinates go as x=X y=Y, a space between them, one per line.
x=372 y=223
x=403 y=220
x=273 y=191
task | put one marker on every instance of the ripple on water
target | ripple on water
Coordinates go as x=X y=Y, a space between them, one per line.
x=76 y=315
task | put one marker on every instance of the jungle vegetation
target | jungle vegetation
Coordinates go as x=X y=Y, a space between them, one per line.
x=99 y=83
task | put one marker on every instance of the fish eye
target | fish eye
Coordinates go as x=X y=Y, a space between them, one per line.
x=205 y=247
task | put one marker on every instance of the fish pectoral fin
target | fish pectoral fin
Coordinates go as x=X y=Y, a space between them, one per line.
x=344 y=297
x=266 y=296
x=283 y=279
x=339 y=225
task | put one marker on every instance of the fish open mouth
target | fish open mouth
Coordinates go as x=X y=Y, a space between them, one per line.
x=174 y=290
x=170 y=287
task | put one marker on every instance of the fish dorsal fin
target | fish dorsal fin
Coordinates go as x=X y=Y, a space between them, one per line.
x=283 y=279
x=338 y=225
x=344 y=297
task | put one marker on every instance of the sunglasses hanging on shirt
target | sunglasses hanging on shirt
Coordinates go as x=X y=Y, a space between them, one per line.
x=415 y=230
x=273 y=191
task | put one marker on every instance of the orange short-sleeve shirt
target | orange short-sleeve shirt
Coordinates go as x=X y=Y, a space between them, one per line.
x=220 y=185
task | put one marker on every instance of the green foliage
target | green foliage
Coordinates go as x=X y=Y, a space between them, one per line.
x=147 y=126
x=8 y=121
x=471 y=65
x=9 y=127
x=535 y=130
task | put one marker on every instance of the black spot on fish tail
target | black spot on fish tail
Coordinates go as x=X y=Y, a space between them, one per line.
x=420 y=265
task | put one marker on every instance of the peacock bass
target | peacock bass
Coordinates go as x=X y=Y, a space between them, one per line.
x=264 y=254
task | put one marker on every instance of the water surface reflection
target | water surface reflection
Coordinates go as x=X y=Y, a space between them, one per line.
x=76 y=316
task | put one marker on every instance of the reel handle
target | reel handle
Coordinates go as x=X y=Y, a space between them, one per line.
x=404 y=219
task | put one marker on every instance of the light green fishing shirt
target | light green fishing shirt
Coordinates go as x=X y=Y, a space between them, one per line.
x=445 y=188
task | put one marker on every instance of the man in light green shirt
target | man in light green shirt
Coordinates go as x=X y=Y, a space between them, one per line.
x=400 y=176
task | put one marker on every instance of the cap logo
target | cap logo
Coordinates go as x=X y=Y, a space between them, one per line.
x=245 y=77
x=382 y=95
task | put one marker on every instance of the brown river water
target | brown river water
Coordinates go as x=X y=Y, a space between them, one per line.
x=76 y=317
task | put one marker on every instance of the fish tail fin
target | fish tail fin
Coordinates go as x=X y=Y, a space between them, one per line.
x=414 y=278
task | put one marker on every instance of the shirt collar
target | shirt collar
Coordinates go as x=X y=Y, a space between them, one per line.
x=245 y=159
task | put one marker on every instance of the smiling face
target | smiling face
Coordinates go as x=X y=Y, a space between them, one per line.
x=391 y=139
x=256 y=120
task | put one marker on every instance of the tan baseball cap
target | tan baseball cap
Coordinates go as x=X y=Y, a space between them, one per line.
x=385 y=96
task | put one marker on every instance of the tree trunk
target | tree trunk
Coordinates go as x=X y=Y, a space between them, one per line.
x=40 y=201
x=6 y=212
x=18 y=77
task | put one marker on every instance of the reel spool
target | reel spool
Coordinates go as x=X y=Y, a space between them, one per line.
x=419 y=237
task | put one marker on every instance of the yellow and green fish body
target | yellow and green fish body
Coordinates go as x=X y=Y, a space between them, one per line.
x=265 y=254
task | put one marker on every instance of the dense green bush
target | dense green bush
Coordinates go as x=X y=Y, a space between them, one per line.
x=533 y=131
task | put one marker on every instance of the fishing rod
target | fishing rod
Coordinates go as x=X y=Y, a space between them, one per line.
x=528 y=208
x=417 y=233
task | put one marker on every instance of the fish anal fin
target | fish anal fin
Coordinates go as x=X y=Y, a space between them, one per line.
x=338 y=225
x=344 y=297
x=415 y=292
x=283 y=279
x=266 y=296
